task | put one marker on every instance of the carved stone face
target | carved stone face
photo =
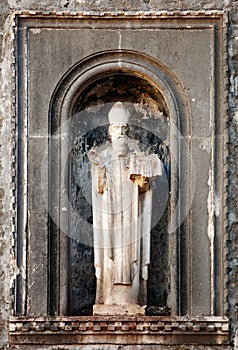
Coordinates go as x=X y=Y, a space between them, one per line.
x=117 y=131
x=118 y=135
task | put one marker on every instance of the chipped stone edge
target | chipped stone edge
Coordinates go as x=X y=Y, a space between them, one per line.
x=124 y=14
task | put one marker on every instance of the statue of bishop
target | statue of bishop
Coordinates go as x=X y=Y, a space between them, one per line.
x=122 y=209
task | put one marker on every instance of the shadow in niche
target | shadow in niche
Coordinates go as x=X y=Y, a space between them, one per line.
x=148 y=112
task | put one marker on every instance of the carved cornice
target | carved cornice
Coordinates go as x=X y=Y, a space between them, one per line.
x=119 y=330
x=125 y=14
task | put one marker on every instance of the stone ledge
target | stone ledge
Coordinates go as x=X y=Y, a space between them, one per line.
x=119 y=330
x=125 y=14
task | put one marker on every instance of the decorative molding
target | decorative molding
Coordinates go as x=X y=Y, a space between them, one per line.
x=124 y=14
x=11 y=109
x=226 y=168
x=217 y=330
x=119 y=330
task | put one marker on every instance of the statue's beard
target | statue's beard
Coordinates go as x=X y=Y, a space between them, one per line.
x=119 y=146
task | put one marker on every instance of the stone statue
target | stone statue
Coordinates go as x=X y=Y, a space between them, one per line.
x=122 y=208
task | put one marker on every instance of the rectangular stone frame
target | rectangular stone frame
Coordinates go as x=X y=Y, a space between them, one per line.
x=32 y=225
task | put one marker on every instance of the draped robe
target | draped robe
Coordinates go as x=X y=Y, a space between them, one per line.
x=122 y=223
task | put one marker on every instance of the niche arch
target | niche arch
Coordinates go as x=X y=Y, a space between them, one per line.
x=72 y=91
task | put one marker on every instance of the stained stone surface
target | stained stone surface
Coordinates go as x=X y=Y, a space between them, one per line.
x=7 y=143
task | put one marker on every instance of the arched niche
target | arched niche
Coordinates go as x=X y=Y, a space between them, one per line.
x=160 y=116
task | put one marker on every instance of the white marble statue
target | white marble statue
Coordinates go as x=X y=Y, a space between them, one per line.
x=122 y=208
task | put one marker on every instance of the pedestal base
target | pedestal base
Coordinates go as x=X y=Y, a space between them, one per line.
x=118 y=309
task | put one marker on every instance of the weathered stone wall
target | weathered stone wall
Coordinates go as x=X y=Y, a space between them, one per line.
x=7 y=7
x=232 y=167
